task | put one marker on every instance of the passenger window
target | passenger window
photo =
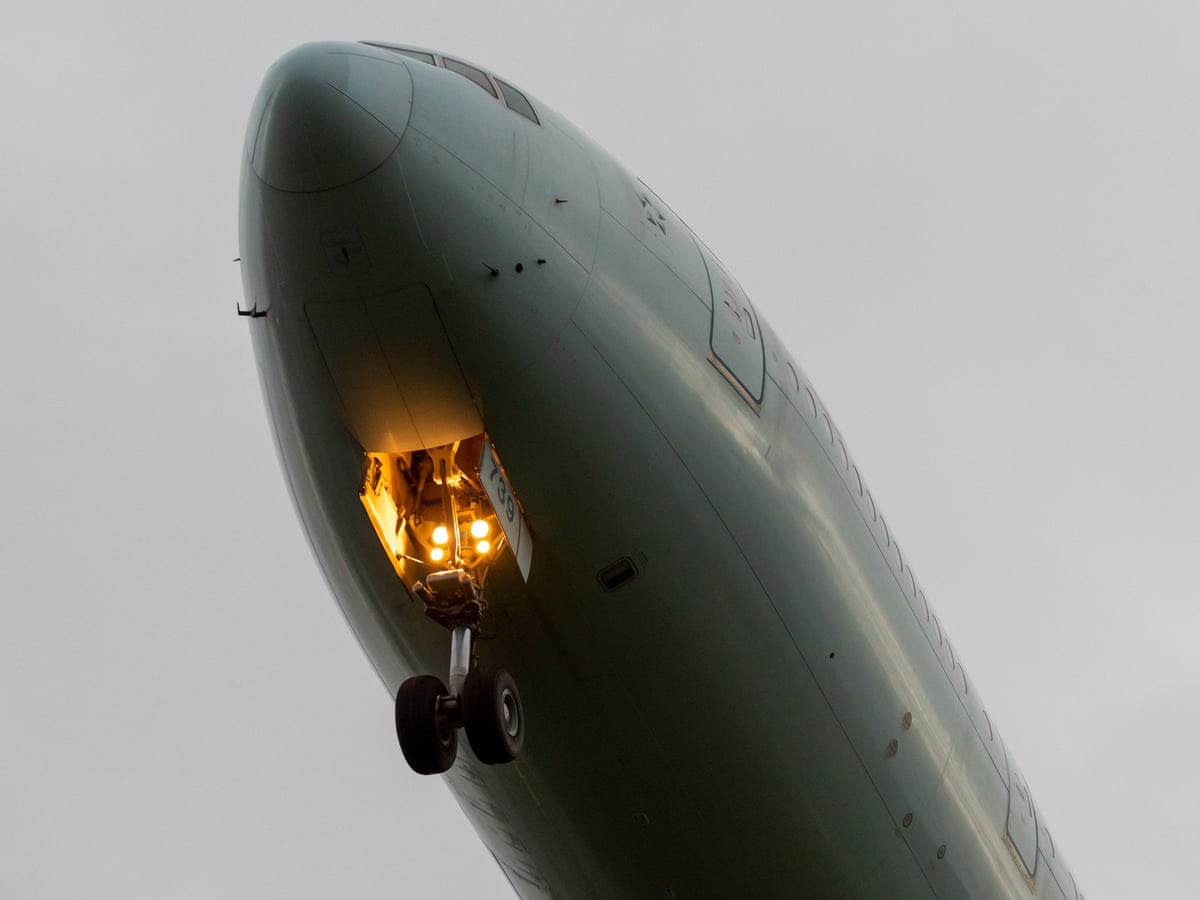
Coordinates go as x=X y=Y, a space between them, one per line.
x=795 y=378
x=471 y=74
x=812 y=403
x=516 y=101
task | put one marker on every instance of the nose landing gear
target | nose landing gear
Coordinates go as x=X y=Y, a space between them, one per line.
x=484 y=701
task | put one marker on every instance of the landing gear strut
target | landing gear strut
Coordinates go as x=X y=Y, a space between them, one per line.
x=482 y=700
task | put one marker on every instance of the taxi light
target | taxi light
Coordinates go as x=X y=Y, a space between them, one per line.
x=441 y=535
x=483 y=547
x=437 y=554
x=480 y=529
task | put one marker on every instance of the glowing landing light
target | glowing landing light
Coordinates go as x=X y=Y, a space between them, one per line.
x=441 y=535
x=437 y=554
x=480 y=529
x=483 y=547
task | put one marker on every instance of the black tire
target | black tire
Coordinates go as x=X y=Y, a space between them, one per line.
x=492 y=715
x=429 y=745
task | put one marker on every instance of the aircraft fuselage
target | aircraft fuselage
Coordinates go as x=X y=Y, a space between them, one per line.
x=733 y=682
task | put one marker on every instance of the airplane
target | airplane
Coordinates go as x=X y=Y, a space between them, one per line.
x=544 y=447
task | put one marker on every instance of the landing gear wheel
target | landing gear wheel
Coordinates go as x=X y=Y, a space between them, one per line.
x=492 y=715
x=428 y=742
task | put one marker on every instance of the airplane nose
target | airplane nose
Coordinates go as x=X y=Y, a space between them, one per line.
x=328 y=114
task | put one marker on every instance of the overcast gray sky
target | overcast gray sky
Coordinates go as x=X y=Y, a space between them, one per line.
x=976 y=225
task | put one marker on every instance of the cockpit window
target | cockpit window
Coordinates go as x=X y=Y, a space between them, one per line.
x=420 y=55
x=509 y=96
x=414 y=54
x=470 y=72
x=516 y=101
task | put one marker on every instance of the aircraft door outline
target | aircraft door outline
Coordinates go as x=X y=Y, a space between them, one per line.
x=735 y=343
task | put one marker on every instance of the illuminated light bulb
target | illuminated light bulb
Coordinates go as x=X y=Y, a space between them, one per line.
x=441 y=535
x=437 y=554
x=483 y=547
x=479 y=528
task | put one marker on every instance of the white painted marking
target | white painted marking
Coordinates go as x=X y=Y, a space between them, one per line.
x=508 y=511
